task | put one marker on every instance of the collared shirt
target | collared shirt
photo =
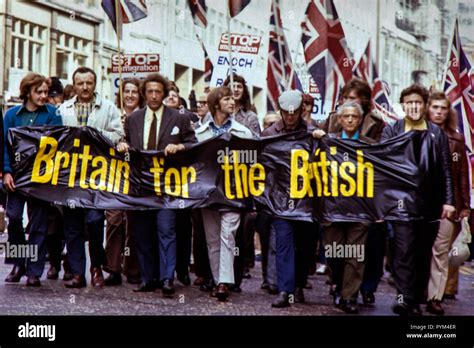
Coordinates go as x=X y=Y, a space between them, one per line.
x=83 y=110
x=27 y=117
x=410 y=125
x=147 y=124
x=216 y=130
x=356 y=135
x=231 y=126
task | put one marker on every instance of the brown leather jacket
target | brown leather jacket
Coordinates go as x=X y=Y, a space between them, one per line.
x=460 y=170
x=372 y=125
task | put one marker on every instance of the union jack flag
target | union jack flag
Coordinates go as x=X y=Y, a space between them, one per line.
x=459 y=87
x=279 y=61
x=129 y=11
x=367 y=71
x=208 y=67
x=325 y=50
x=198 y=10
x=236 y=6
x=364 y=68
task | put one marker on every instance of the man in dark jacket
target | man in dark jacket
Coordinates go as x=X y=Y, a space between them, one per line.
x=156 y=127
x=293 y=238
x=33 y=112
x=414 y=239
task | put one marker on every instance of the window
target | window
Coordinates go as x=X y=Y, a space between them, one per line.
x=71 y=53
x=29 y=51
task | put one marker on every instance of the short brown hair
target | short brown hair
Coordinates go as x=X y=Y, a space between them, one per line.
x=438 y=95
x=362 y=90
x=155 y=78
x=30 y=81
x=84 y=70
x=451 y=122
x=415 y=89
x=215 y=96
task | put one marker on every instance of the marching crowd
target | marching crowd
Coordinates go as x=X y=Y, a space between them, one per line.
x=150 y=247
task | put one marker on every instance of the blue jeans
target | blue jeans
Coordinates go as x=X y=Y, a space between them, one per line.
x=37 y=229
x=75 y=223
x=155 y=238
x=293 y=253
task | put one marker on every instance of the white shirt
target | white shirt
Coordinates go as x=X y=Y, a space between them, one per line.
x=147 y=124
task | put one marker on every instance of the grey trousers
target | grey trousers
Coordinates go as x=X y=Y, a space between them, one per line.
x=220 y=228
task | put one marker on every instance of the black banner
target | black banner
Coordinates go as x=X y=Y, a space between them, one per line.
x=293 y=176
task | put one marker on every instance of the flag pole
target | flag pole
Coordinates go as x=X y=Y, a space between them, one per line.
x=293 y=62
x=118 y=28
x=377 y=47
x=278 y=29
x=230 y=50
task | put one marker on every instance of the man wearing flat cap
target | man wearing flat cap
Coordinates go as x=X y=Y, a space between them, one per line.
x=293 y=238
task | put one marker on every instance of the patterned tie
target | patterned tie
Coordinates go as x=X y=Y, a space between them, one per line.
x=152 y=135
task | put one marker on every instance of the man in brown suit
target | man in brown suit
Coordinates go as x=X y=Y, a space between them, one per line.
x=347 y=272
x=156 y=127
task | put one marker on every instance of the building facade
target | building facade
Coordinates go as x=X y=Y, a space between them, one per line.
x=55 y=37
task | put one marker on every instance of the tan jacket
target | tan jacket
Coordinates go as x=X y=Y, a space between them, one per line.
x=105 y=117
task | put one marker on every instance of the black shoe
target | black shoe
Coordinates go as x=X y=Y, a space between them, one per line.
x=434 y=307
x=273 y=289
x=78 y=281
x=299 y=295
x=134 y=280
x=246 y=274
x=16 y=274
x=146 y=287
x=404 y=309
x=207 y=286
x=235 y=288
x=349 y=306
x=415 y=310
x=33 y=281
x=222 y=292
x=168 y=288
x=265 y=285
x=53 y=273
x=67 y=276
x=282 y=300
x=401 y=308
x=113 y=279
x=184 y=279
x=368 y=298
x=337 y=299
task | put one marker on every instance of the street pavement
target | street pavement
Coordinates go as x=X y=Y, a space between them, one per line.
x=52 y=298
